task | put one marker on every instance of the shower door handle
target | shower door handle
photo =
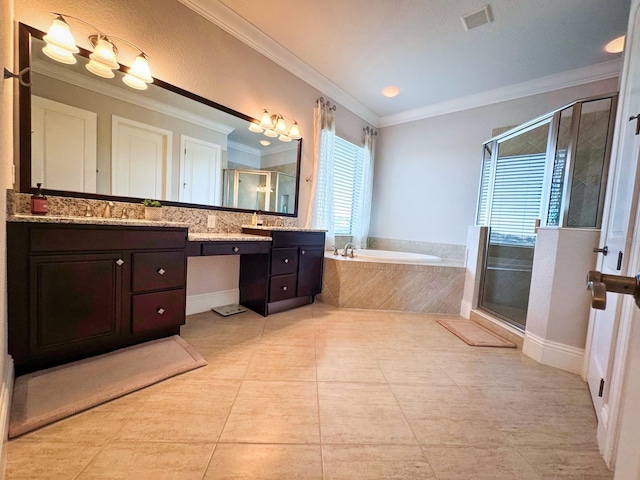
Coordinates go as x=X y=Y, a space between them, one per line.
x=600 y=284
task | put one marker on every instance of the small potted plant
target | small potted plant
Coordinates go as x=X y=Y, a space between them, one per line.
x=152 y=209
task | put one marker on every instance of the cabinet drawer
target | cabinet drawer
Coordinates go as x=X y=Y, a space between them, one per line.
x=153 y=311
x=284 y=261
x=298 y=239
x=282 y=287
x=158 y=270
x=71 y=238
x=235 y=248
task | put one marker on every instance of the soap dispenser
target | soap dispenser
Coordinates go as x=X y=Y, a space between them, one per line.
x=254 y=219
x=39 y=205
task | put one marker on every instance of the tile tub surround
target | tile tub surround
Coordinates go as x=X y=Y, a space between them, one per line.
x=195 y=218
x=442 y=250
x=434 y=288
x=323 y=392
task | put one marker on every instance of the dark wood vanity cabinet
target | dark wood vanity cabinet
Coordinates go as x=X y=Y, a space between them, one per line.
x=290 y=276
x=81 y=290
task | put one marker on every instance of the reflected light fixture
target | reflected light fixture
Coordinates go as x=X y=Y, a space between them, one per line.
x=265 y=143
x=616 y=45
x=60 y=46
x=274 y=125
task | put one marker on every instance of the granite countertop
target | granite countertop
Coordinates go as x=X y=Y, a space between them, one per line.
x=131 y=222
x=226 y=237
x=274 y=228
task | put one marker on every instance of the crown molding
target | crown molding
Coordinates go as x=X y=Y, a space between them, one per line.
x=232 y=23
x=571 y=78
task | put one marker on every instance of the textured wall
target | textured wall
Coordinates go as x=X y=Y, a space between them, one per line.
x=6 y=160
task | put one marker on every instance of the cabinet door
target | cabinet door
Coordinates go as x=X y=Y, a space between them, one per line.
x=74 y=302
x=311 y=262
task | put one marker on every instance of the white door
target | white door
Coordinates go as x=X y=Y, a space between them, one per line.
x=140 y=160
x=200 y=171
x=609 y=329
x=63 y=146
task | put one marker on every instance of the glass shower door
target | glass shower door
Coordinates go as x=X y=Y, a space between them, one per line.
x=515 y=206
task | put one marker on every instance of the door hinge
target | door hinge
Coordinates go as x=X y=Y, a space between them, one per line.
x=619 y=264
x=600 y=392
x=637 y=119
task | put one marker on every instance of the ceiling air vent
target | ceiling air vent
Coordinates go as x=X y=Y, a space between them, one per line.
x=476 y=18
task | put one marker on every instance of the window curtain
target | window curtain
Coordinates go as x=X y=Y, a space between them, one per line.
x=362 y=211
x=320 y=213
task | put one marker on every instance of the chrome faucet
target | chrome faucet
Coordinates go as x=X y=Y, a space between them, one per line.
x=345 y=250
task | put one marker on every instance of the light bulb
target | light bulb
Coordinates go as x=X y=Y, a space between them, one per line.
x=281 y=126
x=265 y=120
x=140 y=69
x=60 y=35
x=104 y=53
x=294 y=133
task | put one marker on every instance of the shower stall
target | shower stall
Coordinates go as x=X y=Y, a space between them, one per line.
x=549 y=172
x=259 y=190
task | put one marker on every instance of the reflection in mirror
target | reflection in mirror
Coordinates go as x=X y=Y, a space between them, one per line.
x=98 y=136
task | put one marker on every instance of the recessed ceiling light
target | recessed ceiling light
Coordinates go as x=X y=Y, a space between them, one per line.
x=265 y=142
x=615 y=46
x=390 y=91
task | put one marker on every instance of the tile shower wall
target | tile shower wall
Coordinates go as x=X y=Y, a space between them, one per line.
x=443 y=250
x=381 y=286
x=226 y=222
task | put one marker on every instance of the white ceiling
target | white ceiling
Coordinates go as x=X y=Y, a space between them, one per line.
x=352 y=49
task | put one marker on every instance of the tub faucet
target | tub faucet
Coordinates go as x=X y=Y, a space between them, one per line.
x=346 y=248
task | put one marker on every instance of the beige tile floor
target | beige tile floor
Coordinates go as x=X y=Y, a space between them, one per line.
x=324 y=393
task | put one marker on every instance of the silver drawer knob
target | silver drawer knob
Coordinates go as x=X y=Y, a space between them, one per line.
x=160 y=311
x=303 y=252
x=161 y=271
x=236 y=249
x=286 y=260
x=119 y=262
x=285 y=288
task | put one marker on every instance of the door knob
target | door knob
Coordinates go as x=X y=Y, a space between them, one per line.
x=600 y=284
x=604 y=250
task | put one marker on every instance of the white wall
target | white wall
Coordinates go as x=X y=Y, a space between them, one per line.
x=6 y=160
x=427 y=172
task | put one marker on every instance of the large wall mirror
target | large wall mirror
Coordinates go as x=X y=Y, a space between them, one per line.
x=86 y=136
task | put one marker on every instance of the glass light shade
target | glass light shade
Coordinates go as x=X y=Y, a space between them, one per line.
x=294 y=133
x=104 y=54
x=281 y=125
x=59 y=34
x=284 y=138
x=270 y=133
x=265 y=120
x=59 y=54
x=134 y=82
x=140 y=69
x=254 y=127
x=99 y=69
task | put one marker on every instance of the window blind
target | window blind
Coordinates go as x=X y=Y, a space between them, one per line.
x=348 y=160
x=517 y=192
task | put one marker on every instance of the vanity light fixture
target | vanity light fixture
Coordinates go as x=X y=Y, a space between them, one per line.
x=274 y=125
x=60 y=46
